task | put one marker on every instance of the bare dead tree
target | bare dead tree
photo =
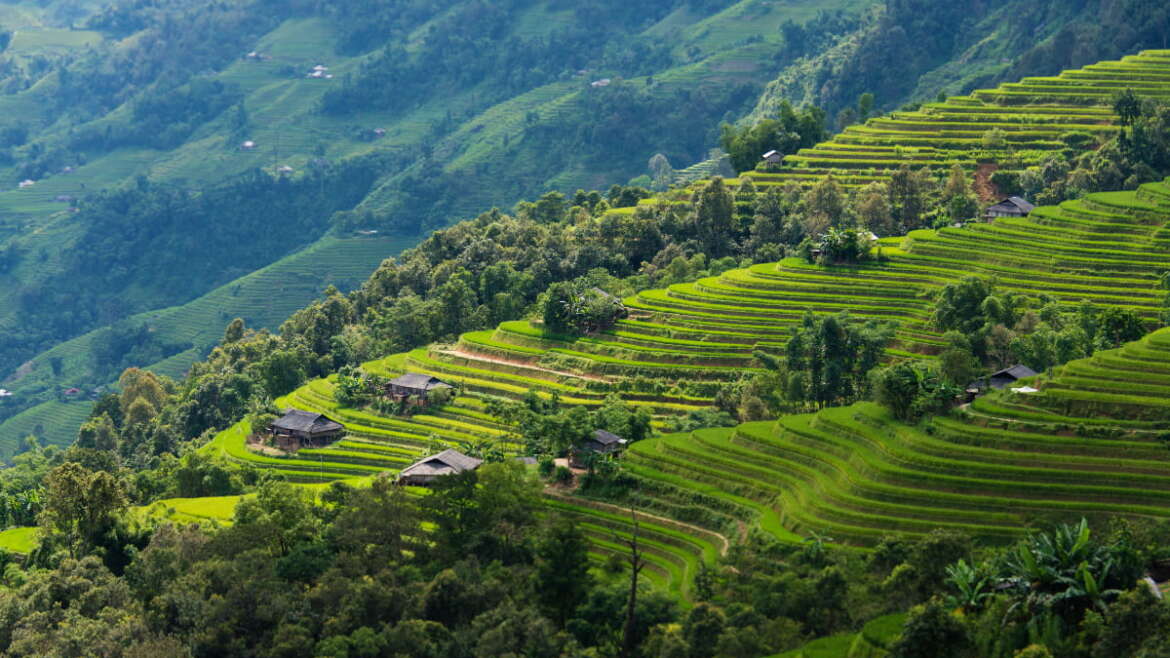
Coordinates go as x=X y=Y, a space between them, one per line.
x=636 y=565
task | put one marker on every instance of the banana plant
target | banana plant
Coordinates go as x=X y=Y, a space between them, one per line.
x=971 y=583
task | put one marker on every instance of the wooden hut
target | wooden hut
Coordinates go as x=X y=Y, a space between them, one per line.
x=414 y=387
x=297 y=428
x=998 y=380
x=1012 y=206
x=425 y=471
x=600 y=442
x=772 y=157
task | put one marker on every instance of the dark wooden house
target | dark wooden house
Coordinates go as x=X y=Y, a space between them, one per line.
x=297 y=428
x=600 y=443
x=1013 y=206
x=772 y=157
x=427 y=470
x=414 y=387
x=998 y=380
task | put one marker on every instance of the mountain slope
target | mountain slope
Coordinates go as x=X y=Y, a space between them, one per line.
x=458 y=148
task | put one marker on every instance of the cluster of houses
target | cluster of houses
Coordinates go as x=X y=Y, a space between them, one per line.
x=298 y=429
x=320 y=72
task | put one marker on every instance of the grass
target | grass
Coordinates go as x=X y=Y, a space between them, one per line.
x=19 y=540
x=217 y=510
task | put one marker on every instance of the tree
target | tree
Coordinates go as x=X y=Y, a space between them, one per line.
x=637 y=563
x=932 y=631
x=142 y=385
x=912 y=389
x=714 y=211
x=864 y=106
x=825 y=203
x=871 y=205
x=960 y=305
x=80 y=505
x=702 y=628
x=908 y=190
x=660 y=171
x=234 y=331
x=98 y=434
x=1117 y=326
x=562 y=569
x=1128 y=107
x=550 y=208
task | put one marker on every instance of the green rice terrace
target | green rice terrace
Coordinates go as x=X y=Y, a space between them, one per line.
x=1087 y=443
x=1035 y=115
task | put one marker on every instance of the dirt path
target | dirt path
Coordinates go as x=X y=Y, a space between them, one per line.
x=983 y=187
x=519 y=364
x=724 y=545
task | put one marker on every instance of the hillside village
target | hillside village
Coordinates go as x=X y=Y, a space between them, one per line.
x=875 y=384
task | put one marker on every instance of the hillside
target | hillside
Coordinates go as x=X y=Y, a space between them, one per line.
x=1035 y=116
x=468 y=140
x=916 y=51
x=680 y=342
x=428 y=162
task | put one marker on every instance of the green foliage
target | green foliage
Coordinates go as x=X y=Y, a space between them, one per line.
x=562 y=569
x=912 y=390
x=574 y=308
x=786 y=132
x=828 y=359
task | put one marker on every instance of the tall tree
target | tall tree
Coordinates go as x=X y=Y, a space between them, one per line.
x=562 y=569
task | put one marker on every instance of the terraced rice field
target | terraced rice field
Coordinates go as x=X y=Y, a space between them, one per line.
x=1033 y=115
x=673 y=551
x=681 y=343
x=1089 y=443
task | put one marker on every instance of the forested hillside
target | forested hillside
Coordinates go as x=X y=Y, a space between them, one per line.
x=845 y=400
x=226 y=140
x=394 y=118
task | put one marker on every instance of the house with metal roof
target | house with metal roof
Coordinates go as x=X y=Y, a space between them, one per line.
x=298 y=428
x=427 y=470
x=999 y=380
x=600 y=442
x=415 y=387
x=1012 y=206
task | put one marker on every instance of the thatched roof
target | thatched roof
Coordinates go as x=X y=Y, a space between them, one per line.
x=295 y=420
x=445 y=463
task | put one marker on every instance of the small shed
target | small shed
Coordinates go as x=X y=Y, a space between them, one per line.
x=297 y=428
x=414 y=387
x=600 y=442
x=773 y=157
x=1012 y=206
x=427 y=470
